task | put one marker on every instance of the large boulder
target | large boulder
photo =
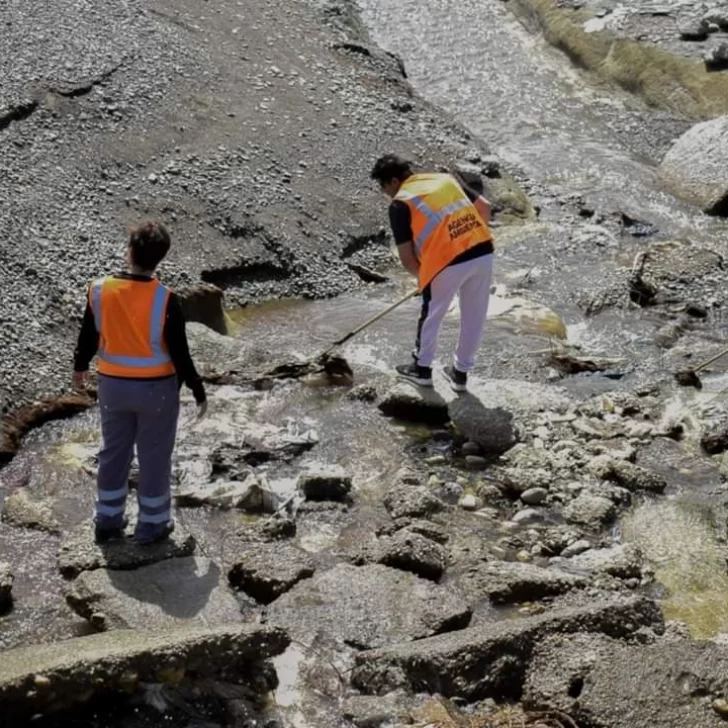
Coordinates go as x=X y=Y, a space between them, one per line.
x=368 y=606
x=602 y=682
x=266 y=571
x=492 y=429
x=167 y=594
x=45 y=677
x=80 y=553
x=6 y=587
x=414 y=404
x=490 y=660
x=696 y=167
x=507 y=582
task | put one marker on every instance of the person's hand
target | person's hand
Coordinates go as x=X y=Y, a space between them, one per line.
x=80 y=381
x=201 y=410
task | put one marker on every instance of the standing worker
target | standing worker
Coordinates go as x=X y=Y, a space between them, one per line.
x=136 y=326
x=443 y=239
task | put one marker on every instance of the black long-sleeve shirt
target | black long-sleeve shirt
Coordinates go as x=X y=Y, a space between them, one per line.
x=175 y=337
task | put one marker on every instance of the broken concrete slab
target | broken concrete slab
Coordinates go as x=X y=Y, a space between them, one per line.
x=407 y=501
x=368 y=606
x=22 y=511
x=506 y=582
x=415 y=404
x=6 y=587
x=166 y=594
x=490 y=660
x=80 y=553
x=268 y=570
x=600 y=681
x=408 y=551
x=48 y=677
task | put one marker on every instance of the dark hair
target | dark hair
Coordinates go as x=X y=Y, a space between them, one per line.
x=390 y=167
x=149 y=243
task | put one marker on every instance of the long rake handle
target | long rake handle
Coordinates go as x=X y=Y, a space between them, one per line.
x=710 y=361
x=371 y=321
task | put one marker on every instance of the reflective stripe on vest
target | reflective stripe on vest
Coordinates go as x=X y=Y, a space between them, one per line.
x=156 y=333
x=444 y=222
x=434 y=217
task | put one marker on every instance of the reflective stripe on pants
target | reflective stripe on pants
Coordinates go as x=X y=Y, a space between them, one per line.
x=144 y=413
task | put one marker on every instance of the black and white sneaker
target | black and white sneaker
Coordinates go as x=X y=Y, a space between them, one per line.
x=421 y=376
x=458 y=380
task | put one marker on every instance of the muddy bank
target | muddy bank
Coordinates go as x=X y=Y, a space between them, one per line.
x=640 y=49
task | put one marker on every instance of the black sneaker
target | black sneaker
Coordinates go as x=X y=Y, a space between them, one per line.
x=458 y=380
x=104 y=535
x=421 y=376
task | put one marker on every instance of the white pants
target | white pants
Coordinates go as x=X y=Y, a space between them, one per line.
x=472 y=281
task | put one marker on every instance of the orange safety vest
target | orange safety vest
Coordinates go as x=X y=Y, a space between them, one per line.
x=445 y=223
x=130 y=319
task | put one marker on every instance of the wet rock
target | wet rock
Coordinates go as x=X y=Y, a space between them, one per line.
x=694 y=29
x=363 y=393
x=415 y=404
x=435 y=533
x=267 y=571
x=637 y=228
x=368 y=606
x=477 y=663
x=6 y=587
x=20 y=510
x=469 y=503
x=714 y=439
x=471 y=448
x=277 y=529
x=79 y=553
x=634 y=477
x=576 y=548
x=475 y=462
x=203 y=303
x=717 y=59
x=527 y=515
x=367 y=711
x=623 y=561
x=54 y=676
x=717 y=17
x=590 y=510
x=696 y=167
x=325 y=486
x=492 y=430
x=408 y=551
x=407 y=501
x=582 y=674
x=534 y=496
x=247 y=495
x=171 y=593
x=506 y=582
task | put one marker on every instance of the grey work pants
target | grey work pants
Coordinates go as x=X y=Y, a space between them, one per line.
x=144 y=413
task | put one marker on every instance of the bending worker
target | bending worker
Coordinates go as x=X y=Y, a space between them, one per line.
x=443 y=239
x=135 y=324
